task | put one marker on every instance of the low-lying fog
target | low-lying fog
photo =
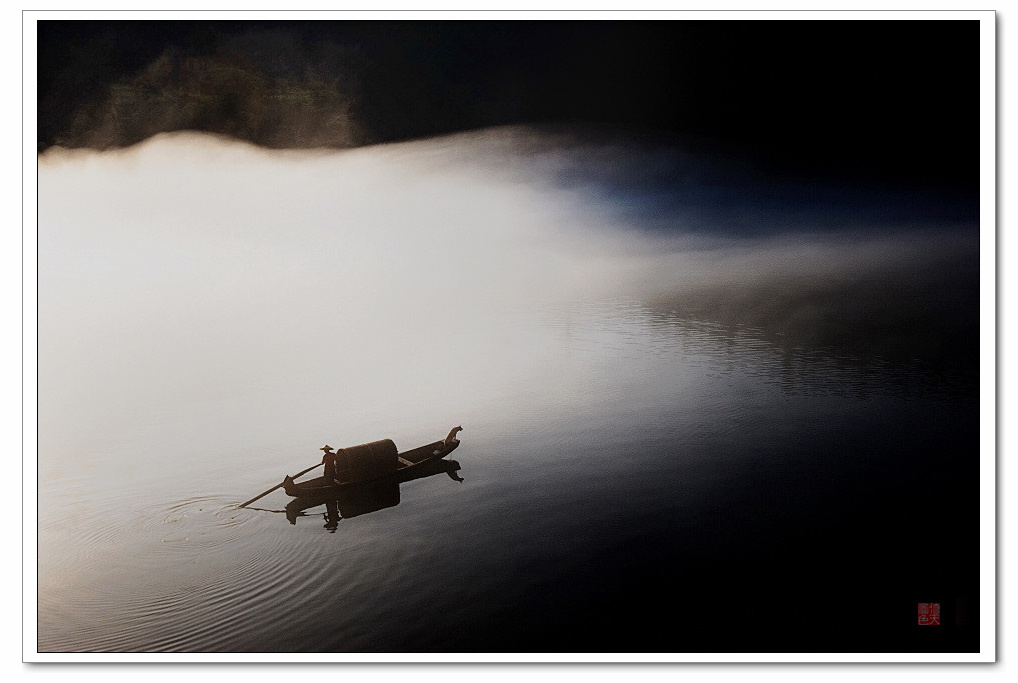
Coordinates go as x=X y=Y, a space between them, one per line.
x=250 y=297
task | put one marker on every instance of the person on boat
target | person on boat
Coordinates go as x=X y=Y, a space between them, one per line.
x=329 y=459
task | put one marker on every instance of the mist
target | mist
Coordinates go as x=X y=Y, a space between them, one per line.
x=290 y=294
x=612 y=341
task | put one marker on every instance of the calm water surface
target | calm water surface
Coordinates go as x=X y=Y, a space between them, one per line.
x=678 y=436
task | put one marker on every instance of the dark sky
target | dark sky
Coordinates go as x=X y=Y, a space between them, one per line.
x=894 y=100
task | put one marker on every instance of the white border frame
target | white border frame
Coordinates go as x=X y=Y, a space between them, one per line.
x=988 y=343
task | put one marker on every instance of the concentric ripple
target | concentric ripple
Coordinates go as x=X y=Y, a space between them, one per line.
x=196 y=523
x=166 y=581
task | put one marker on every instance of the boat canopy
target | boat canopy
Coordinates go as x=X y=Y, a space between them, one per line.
x=367 y=461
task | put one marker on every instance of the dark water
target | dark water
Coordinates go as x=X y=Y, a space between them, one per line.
x=680 y=435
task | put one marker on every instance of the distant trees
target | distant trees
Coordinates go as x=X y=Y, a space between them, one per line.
x=225 y=93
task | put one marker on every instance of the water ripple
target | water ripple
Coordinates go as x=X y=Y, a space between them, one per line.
x=192 y=589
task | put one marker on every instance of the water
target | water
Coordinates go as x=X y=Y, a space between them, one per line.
x=696 y=419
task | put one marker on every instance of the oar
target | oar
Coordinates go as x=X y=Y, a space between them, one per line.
x=277 y=486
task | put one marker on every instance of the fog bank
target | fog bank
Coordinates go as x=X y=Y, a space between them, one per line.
x=291 y=294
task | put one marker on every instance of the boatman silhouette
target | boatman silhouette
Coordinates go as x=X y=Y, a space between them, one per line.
x=330 y=463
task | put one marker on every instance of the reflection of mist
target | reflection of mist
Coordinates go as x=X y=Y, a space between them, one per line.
x=193 y=291
x=905 y=300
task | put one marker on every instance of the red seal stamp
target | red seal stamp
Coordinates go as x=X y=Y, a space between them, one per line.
x=929 y=613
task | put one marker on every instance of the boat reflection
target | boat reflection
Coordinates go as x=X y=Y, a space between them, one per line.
x=354 y=500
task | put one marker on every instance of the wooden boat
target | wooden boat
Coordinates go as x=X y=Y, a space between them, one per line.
x=353 y=500
x=372 y=462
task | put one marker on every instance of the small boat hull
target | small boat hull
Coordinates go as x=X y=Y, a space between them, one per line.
x=410 y=465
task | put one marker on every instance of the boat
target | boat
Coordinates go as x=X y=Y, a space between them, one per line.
x=377 y=461
x=353 y=500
